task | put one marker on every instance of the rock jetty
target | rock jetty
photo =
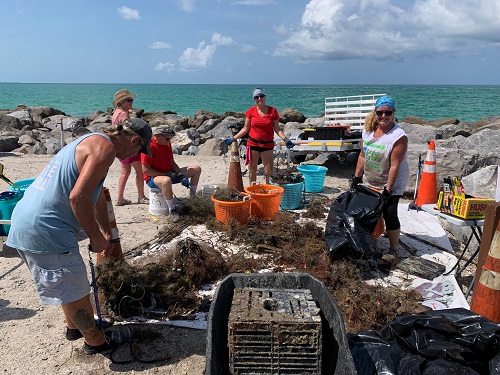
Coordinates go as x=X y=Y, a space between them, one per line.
x=469 y=151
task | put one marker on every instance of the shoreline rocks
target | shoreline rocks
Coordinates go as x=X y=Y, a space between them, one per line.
x=461 y=148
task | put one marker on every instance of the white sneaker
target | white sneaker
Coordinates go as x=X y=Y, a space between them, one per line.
x=174 y=215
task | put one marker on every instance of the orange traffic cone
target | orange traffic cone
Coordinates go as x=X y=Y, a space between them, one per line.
x=427 y=191
x=235 y=179
x=486 y=297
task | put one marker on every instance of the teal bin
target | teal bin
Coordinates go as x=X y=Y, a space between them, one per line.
x=314 y=177
x=292 y=195
x=8 y=200
x=22 y=185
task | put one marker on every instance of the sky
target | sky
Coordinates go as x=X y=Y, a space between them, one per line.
x=248 y=41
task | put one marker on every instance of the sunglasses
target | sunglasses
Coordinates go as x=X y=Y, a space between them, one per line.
x=387 y=113
x=260 y=96
x=129 y=100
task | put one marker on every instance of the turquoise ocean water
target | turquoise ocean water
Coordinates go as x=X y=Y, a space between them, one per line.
x=468 y=103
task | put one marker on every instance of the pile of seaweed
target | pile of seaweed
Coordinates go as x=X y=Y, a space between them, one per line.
x=170 y=284
x=228 y=195
x=282 y=177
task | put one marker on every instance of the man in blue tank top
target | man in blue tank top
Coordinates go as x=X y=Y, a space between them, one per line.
x=65 y=198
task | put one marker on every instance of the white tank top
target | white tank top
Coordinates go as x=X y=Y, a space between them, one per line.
x=377 y=153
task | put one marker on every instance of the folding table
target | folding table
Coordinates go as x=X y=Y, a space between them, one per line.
x=476 y=232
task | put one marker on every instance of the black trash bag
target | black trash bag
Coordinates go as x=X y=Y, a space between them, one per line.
x=453 y=341
x=351 y=221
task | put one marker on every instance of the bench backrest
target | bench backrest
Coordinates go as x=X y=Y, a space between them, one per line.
x=349 y=110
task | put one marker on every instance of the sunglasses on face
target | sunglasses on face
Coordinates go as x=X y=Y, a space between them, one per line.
x=260 y=96
x=387 y=113
x=129 y=100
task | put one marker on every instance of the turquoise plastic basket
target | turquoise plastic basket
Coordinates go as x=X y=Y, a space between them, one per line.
x=8 y=200
x=22 y=185
x=292 y=195
x=314 y=176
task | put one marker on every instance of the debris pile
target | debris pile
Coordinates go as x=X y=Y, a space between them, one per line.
x=169 y=283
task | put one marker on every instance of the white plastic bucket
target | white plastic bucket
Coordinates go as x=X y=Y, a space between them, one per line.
x=157 y=203
x=208 y=190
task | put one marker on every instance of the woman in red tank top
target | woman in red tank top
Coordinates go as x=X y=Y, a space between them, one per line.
x=261 y=122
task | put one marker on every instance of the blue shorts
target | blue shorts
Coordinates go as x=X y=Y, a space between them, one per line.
x=173 y=176
x=59 y=278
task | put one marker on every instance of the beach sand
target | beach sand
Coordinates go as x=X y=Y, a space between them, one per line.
x=32 y=334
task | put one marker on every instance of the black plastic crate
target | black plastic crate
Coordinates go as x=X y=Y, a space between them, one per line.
x=336 y=357
x=277 y=331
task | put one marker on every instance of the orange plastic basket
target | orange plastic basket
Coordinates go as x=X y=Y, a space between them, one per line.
x=379 y=229
x=236 y=210
x=265 y=202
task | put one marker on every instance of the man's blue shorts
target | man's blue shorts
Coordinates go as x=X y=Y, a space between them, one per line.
x=59 y=278
x=173 y=176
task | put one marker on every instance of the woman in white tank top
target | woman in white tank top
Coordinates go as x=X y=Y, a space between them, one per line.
x=383 y=164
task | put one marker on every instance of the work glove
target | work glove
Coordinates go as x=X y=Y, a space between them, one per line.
x=289 y=143
x=386 y=195
x=185 y=182
x=229 y=141
x=356 y=181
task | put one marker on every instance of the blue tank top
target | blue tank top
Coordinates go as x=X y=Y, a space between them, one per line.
x=43 y=220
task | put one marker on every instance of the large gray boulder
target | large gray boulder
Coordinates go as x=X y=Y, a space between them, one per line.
x=213 y=147
x=24 y=116
x=208 y=125
x=173 y=120
x=482 y=183
x=8 y=143
x=290 y=114
x=10 y=122
x=68 y=123
x=201 y=116
x=222 y=130
x=419 y=134
x=486 y=139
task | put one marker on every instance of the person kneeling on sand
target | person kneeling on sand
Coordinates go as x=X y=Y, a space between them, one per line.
x=161 y=171
x=66 y=197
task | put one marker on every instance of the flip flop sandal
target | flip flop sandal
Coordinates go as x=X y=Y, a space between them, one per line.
x=123 y=202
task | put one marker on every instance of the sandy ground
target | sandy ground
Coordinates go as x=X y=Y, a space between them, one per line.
x=32 y=334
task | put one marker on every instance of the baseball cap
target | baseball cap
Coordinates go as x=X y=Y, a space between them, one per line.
x=143 y=130
x=164 y=130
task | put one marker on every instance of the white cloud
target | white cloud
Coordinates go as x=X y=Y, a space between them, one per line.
x=221 y=40
x=128 y=13
x=390 y=29
x=247 y=48
x=160 y=45
x=165 y=67
x=186 y=5
x=281 y=30
x=197 y=58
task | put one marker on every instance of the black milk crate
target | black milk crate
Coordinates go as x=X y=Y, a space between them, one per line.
x=336 y=357
x=274 y=331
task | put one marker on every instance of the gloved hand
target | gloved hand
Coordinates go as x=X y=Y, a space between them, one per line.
x=386 y=195
x=289 y=143
x=185 y=182
x=356 y=181
x=229 y=141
